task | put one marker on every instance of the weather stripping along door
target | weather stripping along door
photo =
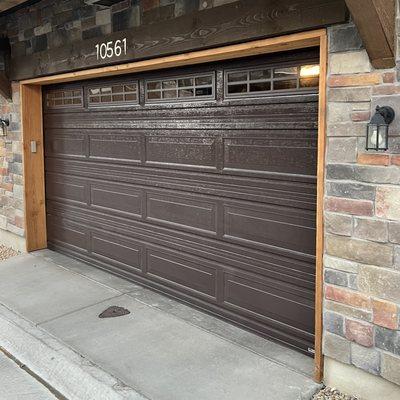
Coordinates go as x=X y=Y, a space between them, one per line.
x=199 y=182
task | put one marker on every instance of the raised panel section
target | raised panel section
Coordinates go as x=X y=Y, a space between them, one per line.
x=283 y=154
x=65 y=188
x=117 y=250
x=191 y=273
x=65 y=145
x=115 y=147
x=115 y=198
x=190 y=151
x=271 y=226
x=180 y=211
x=269 y=299
x=71 y=235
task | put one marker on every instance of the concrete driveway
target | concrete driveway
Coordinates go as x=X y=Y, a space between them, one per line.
x=162 y=350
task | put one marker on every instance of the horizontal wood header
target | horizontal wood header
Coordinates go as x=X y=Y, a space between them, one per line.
x=265 y=46
x=70 y=41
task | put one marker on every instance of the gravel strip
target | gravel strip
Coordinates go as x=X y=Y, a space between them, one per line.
x=332 y=394
x=7 y=252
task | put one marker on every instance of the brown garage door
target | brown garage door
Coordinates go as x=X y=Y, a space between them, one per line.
x=199 y=182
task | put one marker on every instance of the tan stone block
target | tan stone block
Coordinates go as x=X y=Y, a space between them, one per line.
x=371 y=229
x=351 y=62
x=359 y=250
x=387 y=204
x=385 y=314
x=379 y=282
x=348 y=311
x=390 y=368
x=340 y=264
x=355 y=80
x=347 y=95
x=373 y=159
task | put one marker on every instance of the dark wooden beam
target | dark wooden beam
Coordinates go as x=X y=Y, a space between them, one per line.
x=232 y=23
x=5 y=85
x=375 y=20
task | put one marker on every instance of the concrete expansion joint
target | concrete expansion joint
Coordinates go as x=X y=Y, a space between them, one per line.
x=65 y=372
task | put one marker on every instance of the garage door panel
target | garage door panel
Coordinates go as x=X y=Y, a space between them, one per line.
x=270 y=226
x=66 y=145
x=194 y=274
x=66 y=188
x=211 y=199
x=118 y=250
x=267 y=301
x=185 y=212
x=67 y=233
x=115 y=147
x=117 y=198
x=290 y=156
x=183 y=150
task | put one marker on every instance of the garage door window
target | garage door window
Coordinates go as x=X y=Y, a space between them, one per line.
x=198 y=87
x=115 y=94
x=263 y=81
x=64 y=98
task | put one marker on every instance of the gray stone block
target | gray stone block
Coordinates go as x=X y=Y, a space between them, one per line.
x=371 y=229
x=341 y=150
x=353 y=283
x=350 y=190
x=335 y=277
x=374 y=174
x=387 y=339
x=349 y=95
x=334 y=323
x=366 y=358
x=336 y=347
x=344 y=38
x=339 y=171
x=338 y=224
x=346 y=129
x=391 y=368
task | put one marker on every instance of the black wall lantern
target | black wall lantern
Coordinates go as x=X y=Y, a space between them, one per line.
x=378 y=129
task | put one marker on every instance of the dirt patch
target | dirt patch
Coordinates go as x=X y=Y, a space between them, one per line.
x=332 y=394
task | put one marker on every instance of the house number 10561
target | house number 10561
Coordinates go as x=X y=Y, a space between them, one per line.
x=111 y=49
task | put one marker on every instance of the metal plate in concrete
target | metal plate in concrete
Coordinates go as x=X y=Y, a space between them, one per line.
x=166 y=358
x=16 y=384
x=41 y=290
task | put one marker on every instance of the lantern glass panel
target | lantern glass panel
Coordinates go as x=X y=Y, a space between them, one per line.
x=377 y=137
x=383 y=137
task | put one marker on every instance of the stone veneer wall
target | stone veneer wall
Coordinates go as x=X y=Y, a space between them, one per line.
x=362 y=214
x=11 y=169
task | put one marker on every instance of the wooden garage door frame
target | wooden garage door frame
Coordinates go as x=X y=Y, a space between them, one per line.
x=32 y=130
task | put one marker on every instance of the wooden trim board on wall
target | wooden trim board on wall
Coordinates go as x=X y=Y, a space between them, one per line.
x=32 y=127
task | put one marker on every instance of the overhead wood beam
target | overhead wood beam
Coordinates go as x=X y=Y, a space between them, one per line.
x=375 y=20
